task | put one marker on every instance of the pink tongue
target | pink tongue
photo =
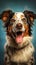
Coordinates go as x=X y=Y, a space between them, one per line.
x=19 y=39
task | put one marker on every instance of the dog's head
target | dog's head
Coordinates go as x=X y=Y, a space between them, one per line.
x=18 y=24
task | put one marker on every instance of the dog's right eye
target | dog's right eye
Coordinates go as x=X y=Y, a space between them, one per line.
x=12 y=21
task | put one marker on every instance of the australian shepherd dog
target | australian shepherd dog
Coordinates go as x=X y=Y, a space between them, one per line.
x=19 y=49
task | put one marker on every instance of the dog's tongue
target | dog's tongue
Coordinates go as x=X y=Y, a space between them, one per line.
x=19 y=39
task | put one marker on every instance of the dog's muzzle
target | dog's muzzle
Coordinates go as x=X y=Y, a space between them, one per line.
x=18 y=33
x=19 y=26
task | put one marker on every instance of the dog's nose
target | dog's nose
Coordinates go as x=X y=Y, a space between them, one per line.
x=19 y=26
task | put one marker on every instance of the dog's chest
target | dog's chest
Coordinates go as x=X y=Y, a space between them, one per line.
x=21 y=55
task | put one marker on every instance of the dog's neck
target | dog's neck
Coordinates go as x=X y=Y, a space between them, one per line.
x=10 y=42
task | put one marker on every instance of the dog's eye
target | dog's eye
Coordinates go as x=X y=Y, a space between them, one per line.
x=12 y=21
x=24 y=20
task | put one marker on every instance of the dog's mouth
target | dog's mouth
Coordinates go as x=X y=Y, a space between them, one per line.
x=18 y=36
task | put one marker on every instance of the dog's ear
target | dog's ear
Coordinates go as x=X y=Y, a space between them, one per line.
x=30 y=15
x=6 y=15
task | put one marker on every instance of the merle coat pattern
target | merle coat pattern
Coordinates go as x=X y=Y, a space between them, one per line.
x=18 y=24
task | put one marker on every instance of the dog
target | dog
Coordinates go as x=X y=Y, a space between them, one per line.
x=19 y=49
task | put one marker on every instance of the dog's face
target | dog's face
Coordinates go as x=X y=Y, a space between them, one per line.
x=19 y=27
x=18 y=24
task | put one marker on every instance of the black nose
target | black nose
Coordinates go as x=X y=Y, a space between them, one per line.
x=19 y=26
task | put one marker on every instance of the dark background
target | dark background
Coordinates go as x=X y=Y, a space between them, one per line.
x=16 y=5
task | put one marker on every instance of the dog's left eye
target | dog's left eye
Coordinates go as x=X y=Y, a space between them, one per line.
x=24 y=20
x=12 y=21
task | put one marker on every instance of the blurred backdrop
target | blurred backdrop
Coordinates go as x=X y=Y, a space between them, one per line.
x=16 y=5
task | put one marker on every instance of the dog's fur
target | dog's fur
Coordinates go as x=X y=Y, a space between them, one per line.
x=18 y=52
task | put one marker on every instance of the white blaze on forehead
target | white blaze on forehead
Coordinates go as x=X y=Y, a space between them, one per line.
x=18 y=15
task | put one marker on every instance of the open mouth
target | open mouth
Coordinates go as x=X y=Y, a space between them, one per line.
x=18 y=36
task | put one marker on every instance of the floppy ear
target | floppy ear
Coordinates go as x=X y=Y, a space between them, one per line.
x=6 y=15
x=30 y=15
